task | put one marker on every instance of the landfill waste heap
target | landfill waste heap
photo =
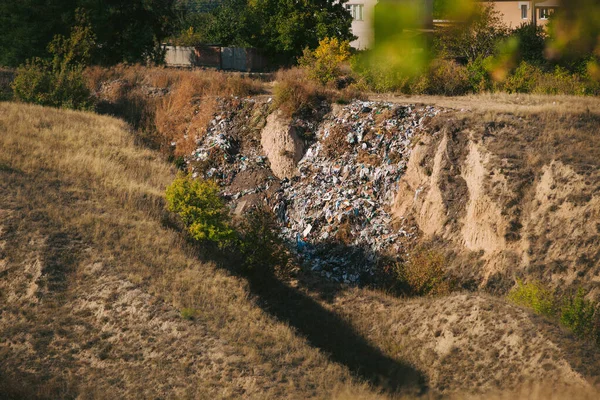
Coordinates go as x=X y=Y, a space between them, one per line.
x=335 y=210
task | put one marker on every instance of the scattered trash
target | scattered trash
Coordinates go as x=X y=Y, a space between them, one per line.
x=340 y=205
x=335 y=213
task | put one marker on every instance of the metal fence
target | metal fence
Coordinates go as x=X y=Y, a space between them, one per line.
x=226 y=58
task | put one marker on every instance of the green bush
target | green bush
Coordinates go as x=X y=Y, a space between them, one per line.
x=379 y=78
x=444 y=77
x=201 y=209
x=535 y=296
x=188 y=313
x=573 y=311
x=324 y=64
x=560 y=81
x=59 y=82
x=424 y=274
x=479 y=75
x=578 y=314
x=523 y=79
x=262 y=248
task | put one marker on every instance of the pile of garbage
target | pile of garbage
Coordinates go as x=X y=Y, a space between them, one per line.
x=218 y=154
x=337 y=210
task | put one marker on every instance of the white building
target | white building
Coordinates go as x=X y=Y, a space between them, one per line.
x=362 y=12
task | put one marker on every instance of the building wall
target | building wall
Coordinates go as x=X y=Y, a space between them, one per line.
x=511 y=11
x=363 y=29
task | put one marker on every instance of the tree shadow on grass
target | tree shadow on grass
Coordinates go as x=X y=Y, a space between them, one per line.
x=334 y=336
x=322 y=328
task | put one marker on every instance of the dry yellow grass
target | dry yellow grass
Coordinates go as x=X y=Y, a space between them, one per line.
x=94 y=275
x=520 y=104
x=176 y=105
x=93 y=278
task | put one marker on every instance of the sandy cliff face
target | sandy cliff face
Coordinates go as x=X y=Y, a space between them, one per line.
x=505 y=202
x=282 y=145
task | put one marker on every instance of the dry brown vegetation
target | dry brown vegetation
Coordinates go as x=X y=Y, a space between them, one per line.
x=93 y=275
x=166 y=106
x=296 y=94
x=101 y=293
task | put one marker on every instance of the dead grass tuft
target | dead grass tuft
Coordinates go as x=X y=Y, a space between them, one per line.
x=336 y=143
x=295 y=94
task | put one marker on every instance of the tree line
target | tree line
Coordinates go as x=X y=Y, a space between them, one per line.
x=132 y=30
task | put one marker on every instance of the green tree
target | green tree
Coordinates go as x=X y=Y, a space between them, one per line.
x=126 y=30
x=27 y=26
x=289 y=26
x=58 y=82
x=283 y=28
x=129 y=30
x=476 y=37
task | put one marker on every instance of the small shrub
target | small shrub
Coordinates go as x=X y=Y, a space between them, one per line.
x=424 y=273
x=201 y=209
x=294 y=94
x=324 y=63
x=445 y=77
x=577 y=314
x=479 y=75
x=188 y=313
x=560 y=81
x=262 y=248
x=379 y=78
x=523 y=79
x=573 y=311
x=34 y=82
x=535 y=296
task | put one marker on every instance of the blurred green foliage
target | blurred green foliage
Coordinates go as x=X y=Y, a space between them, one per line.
x=473 y=50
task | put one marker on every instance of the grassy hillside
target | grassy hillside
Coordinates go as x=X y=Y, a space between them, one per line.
x=102 y=296
x=94 y=278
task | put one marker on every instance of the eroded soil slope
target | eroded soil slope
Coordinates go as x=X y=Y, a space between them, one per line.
x=510 y=196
